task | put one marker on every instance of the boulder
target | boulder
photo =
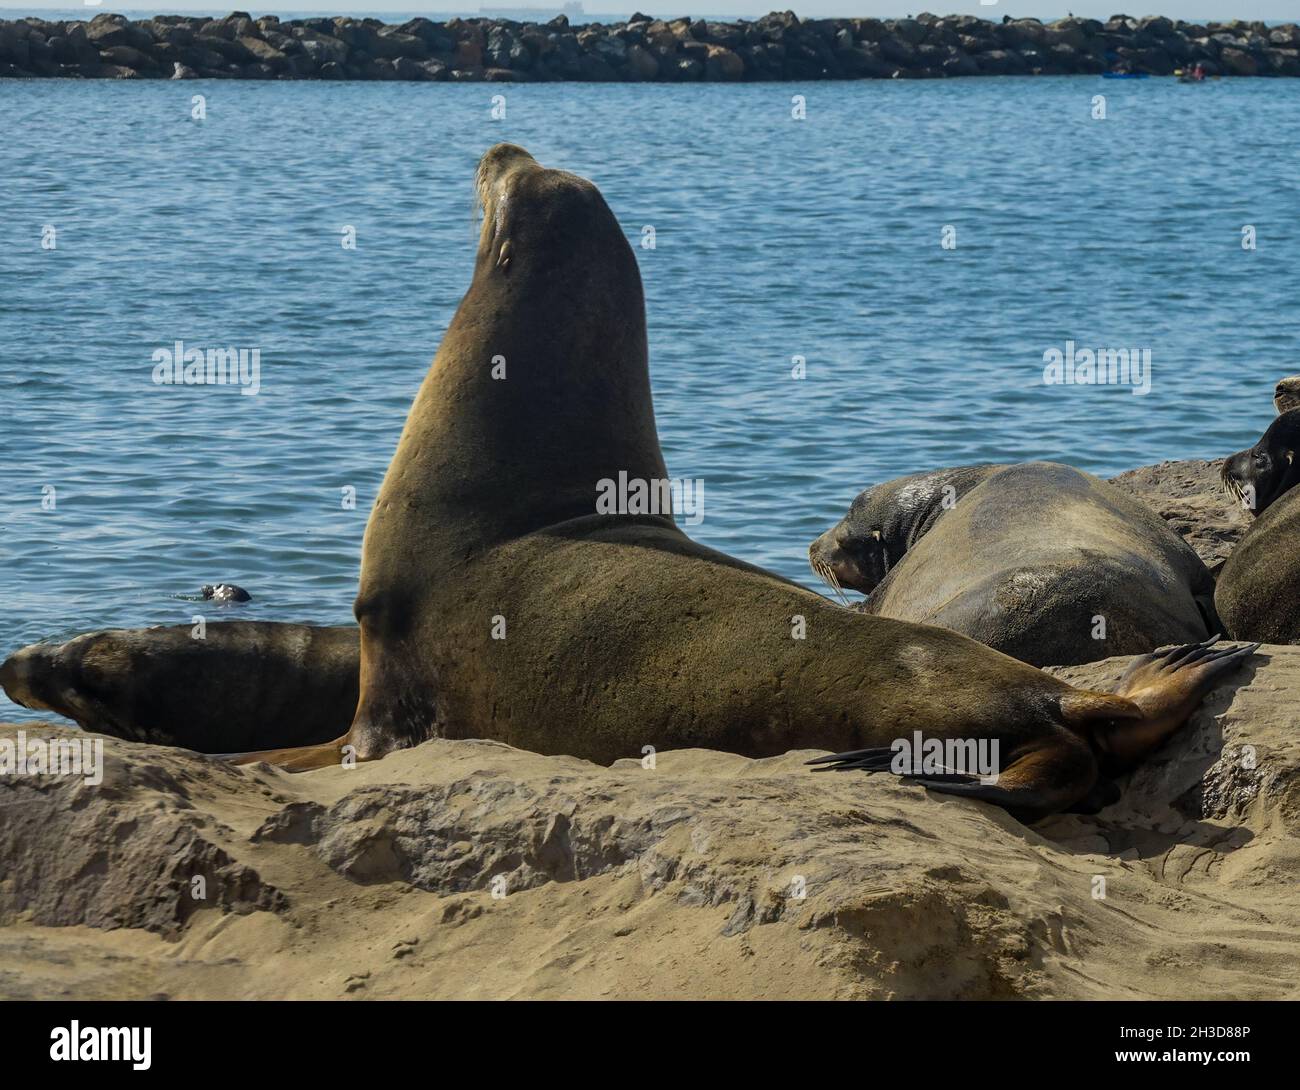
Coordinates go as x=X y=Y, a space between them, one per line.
x=1237 y=62
x=641 y=64
x=723 y=65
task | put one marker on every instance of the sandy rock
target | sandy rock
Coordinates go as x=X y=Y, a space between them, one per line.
x=1190 y=498
x=470 y=869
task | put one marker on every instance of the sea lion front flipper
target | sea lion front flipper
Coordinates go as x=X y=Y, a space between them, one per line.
x=1056 y=776
x=298 y=759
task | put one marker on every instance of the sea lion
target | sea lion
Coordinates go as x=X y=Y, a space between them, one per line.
x=244 y=685
x=225 y=592
x=1041 y=561
x=1258 y=593
x=496 y=603
x=1259 y=475
x=885 y=521
x=1286 y=395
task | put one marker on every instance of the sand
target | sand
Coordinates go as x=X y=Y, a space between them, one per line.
x=473 y=870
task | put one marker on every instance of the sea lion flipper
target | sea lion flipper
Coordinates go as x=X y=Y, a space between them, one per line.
x=298 y=759
x=1167 y=686
x=1056 y=776
x=876 y=759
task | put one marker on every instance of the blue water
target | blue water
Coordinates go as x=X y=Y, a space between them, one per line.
x=775 y=238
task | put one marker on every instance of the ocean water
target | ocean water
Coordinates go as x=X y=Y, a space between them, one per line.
x=775 y=238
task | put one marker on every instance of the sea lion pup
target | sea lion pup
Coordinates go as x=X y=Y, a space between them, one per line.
x=1259 y=475
x=244 y=685
x=1258 y=593
x=496 y=603
x=1041 y=561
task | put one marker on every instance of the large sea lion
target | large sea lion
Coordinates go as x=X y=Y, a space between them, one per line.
x=1259 y=475
x=1258 y=593
x=496 y=603
x=244 y=685
x=1040 y=561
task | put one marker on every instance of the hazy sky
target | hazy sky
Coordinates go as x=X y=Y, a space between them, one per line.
x=1272 y=10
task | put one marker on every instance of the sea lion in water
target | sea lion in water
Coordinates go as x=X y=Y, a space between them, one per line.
x=1258 y=593
x=225 y=592
x=1259 y=475
x=495 y=603
x=244 y=685
x=1040 y=561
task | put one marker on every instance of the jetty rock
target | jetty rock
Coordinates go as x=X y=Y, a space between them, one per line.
x=778 y=46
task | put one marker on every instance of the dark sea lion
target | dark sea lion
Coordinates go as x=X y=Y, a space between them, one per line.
x=1259 y=475
x=885 y=521
x=245 y=685
x=225 y=592
x=1258 y=594
x=1286 y=395
x=1041 y=561
x=495 y=603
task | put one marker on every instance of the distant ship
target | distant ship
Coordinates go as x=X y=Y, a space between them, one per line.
x=573 y=11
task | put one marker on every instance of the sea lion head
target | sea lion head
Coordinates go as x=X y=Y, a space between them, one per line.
x=853 y=553
x=72 y=679
x=1286 y=395
x=885 y=521
x=540 y=391
x=1260 y=474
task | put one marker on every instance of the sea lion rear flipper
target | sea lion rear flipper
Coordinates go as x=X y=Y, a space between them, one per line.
x=1167 y=686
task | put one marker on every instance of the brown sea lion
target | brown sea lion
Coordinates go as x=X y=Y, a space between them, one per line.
x=1286 y=395
x=1040 y=561
x=495 y=603
x=1259 y=475
x=1258 y=593
x=885 y=521
x=244 y=685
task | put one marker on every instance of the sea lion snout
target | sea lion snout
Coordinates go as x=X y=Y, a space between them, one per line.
x=836 y=557
x=1260 y=474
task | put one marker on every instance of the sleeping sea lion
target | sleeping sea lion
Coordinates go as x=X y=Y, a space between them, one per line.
x=885 y=521
x=1040 y=560
x=243 y=685
x=495 y=602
